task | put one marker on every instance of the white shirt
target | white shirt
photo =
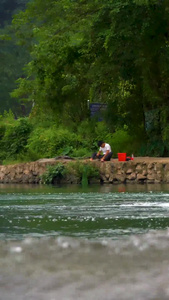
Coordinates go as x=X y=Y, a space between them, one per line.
x=105 y=148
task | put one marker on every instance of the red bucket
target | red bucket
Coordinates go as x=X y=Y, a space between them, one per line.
x=121 y=156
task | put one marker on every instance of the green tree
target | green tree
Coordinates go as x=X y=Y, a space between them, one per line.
x=110 y=51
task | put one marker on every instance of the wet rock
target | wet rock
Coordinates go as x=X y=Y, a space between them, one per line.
x=132 y=176
x=141 y=177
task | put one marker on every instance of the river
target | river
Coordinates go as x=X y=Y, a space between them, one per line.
x=107 y=242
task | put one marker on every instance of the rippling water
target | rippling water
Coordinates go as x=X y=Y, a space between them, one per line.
x=103 y=242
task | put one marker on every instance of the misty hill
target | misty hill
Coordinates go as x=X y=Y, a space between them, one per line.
x=8 y=8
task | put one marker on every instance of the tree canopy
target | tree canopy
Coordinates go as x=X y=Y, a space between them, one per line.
x=109 y=51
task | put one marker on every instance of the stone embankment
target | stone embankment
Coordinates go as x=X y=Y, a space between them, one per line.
x=140 y=170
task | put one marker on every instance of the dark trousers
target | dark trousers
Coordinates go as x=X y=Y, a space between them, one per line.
x=107 y=158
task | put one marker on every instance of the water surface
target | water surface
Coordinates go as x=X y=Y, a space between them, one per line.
x=93 y=213
x=100 y=242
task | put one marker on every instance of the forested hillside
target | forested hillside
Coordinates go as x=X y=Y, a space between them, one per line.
x=12 y=57
x=8 y=8
x=112 y=52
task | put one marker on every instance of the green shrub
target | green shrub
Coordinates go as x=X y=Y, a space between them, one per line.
x=81 y=152
x=53 y=173
x=7 y=118
x=52 y=141
x=121 y=141
x=81 y=169
x=30 y=139
x=15 y=138
x=90 y=132
x=2 y=131
x=155 y=148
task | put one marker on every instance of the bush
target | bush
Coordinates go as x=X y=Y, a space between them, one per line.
x=2 y=131
x=53 y=173
x=155 y=148
x=14 y=140
x=90 y=132
x=7 y=118
x=30 y=139
x=121 y=141
x=81 y=169
x=81 y=153
x=52 y=141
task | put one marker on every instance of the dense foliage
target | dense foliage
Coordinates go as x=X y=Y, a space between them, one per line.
x=84 y=172
x=25 y=140
x=53 y=173
x=111 y=51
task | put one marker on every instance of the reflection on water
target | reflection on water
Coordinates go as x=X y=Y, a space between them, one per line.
x=105 y=188
x=102 y=242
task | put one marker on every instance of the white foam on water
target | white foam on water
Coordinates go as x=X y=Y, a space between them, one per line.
x=144 y=204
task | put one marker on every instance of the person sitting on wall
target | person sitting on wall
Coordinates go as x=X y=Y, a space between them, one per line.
x=104 y=153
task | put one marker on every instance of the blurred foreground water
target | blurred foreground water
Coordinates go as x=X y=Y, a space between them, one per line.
x=100 y=242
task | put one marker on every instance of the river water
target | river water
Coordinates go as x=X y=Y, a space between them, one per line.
x=108 y=242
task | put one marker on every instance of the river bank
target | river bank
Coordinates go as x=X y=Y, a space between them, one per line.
x=140 y=170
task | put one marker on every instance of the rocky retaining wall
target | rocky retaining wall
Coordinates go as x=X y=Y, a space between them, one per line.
x=135 y=172
x=25 y=172
x=110 y=172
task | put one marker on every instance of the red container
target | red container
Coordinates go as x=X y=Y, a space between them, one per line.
x=121 y=156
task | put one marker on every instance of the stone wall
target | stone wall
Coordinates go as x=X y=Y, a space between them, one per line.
x=134 y=172
x=25 y=172
x=110 y=172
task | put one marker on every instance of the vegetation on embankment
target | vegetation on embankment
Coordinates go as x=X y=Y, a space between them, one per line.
x=29 y=139
x=52 y=171
x=77 y=172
